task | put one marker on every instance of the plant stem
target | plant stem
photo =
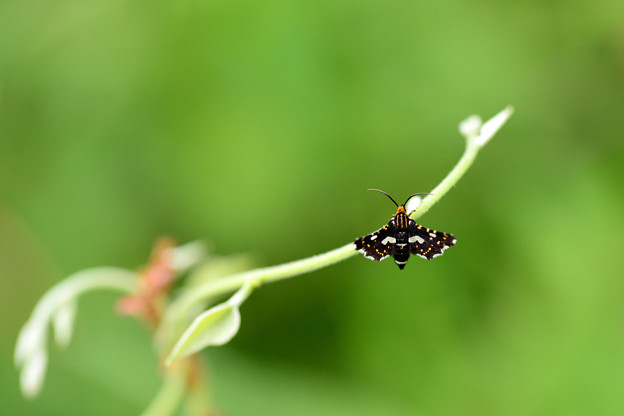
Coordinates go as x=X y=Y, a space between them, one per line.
x=449 y=181
x=84 y=281
x=186 y=302
x=477 y=134
x=181 y=309
x=171 y=393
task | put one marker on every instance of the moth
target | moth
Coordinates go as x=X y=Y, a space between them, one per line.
x=402 y=237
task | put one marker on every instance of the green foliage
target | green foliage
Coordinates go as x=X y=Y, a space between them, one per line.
x=259 y=125
x=216 y=326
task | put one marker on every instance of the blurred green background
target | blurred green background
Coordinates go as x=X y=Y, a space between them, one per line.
x=259 y=125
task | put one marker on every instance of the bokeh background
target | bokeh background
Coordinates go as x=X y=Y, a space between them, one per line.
x=258 y=126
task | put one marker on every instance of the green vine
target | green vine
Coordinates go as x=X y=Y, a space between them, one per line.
x=185 y=323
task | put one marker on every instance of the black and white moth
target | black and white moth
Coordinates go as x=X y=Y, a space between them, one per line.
x=402 y=236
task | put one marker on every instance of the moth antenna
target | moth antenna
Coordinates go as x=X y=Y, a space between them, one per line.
x=377 y=190
x=410 y=197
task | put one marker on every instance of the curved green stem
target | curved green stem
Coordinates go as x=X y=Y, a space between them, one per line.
x=268 y=274
x=477 y=135
x=171 y=393
x=65 y=292
x=57 y=308
x=180 y=309
x=449 y=181
x=81 y=282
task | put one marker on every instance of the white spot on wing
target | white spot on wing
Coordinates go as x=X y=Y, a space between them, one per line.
x=432 y=234
x=388 y=240
x=373 y=237
x=415 y=238
x=374 y=259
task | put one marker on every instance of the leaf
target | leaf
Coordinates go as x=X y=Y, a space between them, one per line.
x=33 y=372
x=471 y=127
x=490 y=127
x=216 y=326
x=63 y=323
x=30 y=340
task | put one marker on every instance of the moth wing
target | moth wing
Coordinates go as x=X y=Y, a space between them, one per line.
x=378 y=245
x=428 y=243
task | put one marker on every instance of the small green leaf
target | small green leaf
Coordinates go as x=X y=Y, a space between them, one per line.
x=471 y=127
x=478 y=132
x=216 y=326
x=33 y=373
x=494 y=124
x=32 y=338
x=63 y=322
x=188 y=255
